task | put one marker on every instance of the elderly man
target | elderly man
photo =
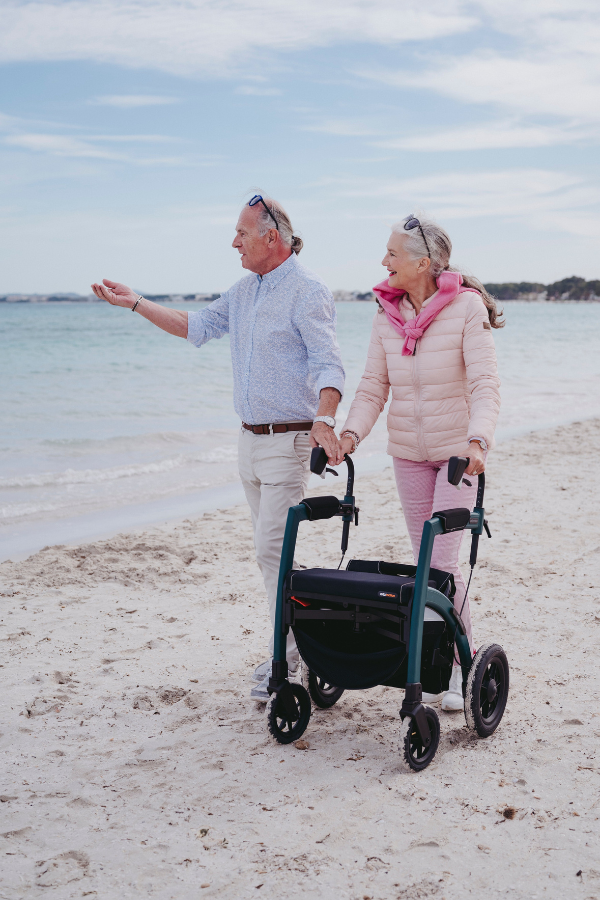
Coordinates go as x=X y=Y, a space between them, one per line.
x=288 y=376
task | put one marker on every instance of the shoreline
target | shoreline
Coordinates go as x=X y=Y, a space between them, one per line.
x=84 y=300
x=134 y=762
x=26 y=538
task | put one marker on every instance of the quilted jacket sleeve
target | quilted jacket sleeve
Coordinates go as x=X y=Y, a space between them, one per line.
x=482 y=372
x=373 y=389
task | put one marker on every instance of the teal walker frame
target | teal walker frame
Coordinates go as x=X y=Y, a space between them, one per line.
x=485 y=678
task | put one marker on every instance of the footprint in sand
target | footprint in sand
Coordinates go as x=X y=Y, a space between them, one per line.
x=62 y=869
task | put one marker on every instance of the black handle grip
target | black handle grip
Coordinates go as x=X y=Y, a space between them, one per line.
x=345 y=534
x=318 y=460
x=480 y=489
x=456 y=469
x=474 y=548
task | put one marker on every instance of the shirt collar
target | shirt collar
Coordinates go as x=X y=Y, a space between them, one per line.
x=274 y=277
x=408 y=310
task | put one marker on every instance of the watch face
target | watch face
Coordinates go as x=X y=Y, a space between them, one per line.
x=328 y=420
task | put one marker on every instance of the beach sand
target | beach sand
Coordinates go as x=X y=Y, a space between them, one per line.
x=134 y=764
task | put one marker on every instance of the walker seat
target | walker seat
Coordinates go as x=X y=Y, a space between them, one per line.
x=352 y=626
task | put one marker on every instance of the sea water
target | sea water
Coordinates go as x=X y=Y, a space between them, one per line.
x=108 y=423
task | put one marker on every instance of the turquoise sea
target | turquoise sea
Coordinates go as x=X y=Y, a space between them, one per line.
x=107 y=423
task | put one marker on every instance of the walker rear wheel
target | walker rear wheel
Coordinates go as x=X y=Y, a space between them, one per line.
x=284 y=727
x=323 y=694
x=414 y=753
x=487 y=690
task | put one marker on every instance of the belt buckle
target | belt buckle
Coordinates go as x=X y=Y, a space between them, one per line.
x=270 y=428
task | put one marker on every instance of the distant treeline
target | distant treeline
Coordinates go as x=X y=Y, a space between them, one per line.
x=91 y=298
x=572 y=288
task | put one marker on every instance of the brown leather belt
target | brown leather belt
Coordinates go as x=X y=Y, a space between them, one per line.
x=278 y=429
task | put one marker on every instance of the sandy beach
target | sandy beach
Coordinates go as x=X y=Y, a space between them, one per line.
x=146 y=641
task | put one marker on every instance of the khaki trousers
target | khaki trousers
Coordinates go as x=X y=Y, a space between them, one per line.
x=274 y=469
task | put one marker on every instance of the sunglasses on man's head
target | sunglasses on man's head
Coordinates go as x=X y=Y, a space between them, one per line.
x=413 y=222
x=258 y=199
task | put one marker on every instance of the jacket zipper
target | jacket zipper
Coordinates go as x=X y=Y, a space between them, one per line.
x=418 y=416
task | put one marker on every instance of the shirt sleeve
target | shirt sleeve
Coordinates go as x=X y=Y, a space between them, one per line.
x=211 y=322
x=316 y=320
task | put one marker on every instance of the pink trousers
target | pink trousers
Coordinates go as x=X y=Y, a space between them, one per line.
x=423 y=488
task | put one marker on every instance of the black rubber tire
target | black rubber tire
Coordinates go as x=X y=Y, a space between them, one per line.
x=323 y=695
x=487 y=690
x=281 y=729
x=414 y=755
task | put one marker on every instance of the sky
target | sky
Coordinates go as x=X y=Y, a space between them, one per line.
x=132 y=131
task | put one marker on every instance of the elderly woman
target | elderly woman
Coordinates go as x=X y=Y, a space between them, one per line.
x=432 y=344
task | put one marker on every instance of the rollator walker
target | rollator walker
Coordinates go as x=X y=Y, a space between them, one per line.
x=381 y=623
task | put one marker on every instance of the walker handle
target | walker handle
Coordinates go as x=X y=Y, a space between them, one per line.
x=456 y=469
x=318 y=460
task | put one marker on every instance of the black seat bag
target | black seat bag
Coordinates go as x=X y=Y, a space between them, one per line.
x=361 y=657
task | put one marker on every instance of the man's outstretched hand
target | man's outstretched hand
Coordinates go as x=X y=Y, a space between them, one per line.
x=322 y=435
x=115 y=293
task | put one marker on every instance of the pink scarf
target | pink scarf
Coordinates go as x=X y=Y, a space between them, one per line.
x=449 y=286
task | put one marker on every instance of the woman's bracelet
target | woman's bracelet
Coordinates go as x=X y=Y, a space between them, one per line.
x=135 y=305
x=354 y=437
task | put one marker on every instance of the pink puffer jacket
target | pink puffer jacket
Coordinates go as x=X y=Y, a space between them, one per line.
x=447 y=392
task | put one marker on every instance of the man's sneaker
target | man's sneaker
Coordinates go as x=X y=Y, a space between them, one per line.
x=453 y=701
x=259 y=692
x=264 y=670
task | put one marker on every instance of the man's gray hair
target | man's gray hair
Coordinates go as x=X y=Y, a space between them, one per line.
x=284 y=225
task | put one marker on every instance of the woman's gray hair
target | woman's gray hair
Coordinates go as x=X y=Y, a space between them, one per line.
x=432 y=241
x=284 y=225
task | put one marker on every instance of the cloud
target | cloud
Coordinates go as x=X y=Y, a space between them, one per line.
x=131 y=101
x=549 y=64
x=210 y=37
x=344 y=128
x=542 y=197
x=50 y=138
x=87 y=147
x=58 y=144
x=490 y=136
x=558 y=86
x=251 y=91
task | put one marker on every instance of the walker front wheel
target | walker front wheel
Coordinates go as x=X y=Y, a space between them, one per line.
x=287 y=725
x=414 y=753
x=487 y=690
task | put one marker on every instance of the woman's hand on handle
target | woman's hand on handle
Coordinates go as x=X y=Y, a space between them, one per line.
x=476 y=459
x=346 y=446
x=116 y=294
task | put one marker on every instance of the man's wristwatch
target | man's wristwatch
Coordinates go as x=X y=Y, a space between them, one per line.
x=327 y=420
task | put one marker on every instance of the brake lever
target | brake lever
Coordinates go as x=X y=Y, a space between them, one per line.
x=487 y=528
x=332 y=471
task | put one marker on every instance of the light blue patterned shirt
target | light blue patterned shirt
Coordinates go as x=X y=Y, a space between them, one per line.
x=284 y=349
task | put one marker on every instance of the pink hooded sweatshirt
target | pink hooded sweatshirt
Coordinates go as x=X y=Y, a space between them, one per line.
x=443 y=375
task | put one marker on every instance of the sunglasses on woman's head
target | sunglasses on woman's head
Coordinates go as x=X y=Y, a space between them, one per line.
x=413 y=222
x=258 y=199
